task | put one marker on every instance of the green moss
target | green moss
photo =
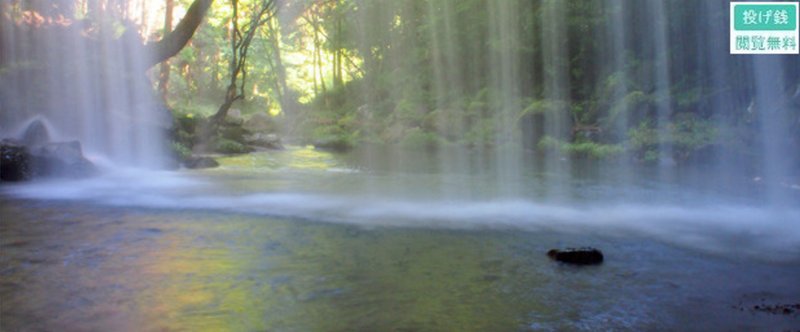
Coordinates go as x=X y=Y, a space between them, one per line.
x=686 y=134
x=181 y=151
x=334 y=137
x=418 y=138
x=541 y=106
x=594 y=150
x=233 y=132
x=224 y=145
x=582 y=149
x=549 y=143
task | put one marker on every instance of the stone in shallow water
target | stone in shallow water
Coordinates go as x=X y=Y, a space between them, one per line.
x=268 y=141
x=14 y=162
x=62 y=159
x=36 y=134
x=55 y=159
x=260 y=123
x=580 y=256
x=194 y=162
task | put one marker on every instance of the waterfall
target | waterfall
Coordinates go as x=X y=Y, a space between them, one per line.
x=87 y=79
x=496 y=89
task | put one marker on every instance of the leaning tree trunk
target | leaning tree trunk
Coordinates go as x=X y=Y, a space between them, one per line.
x=163 y=76
x=283 y=86
x=172 y=43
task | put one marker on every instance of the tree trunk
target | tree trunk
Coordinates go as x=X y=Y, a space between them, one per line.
x=240 y=44
x=172 y=43
x=317 y=47
x=163 y=77
x=279 y=68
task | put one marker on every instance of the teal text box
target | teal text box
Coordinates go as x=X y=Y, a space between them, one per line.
x=768 y=17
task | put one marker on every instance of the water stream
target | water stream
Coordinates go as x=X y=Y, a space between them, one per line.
x=451 y=238
x=301 y=240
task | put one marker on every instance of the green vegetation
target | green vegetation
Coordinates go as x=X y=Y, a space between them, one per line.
x=588 y=79
x=685 y=135
x=581 y=149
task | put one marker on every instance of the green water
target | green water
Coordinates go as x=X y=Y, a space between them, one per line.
x=96 y=268
x=98 y=256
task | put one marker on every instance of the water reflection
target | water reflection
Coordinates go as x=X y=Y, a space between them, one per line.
x=294 y=158
x=97 y=268
x=243 y=248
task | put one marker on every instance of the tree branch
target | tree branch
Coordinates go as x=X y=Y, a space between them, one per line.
x=172 y=43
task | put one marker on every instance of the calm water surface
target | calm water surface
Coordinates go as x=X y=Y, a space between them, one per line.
x=303 y=240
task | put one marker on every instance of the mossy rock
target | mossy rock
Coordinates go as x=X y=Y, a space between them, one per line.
x=334 y=143
x=227 y=146
x=233 y=132
x=180 y=151
x=419 y=139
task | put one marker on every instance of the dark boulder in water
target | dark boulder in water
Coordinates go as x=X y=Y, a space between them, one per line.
x=334 y=144
x=33 y=155
x=15 y=162
x=268 y=141
x=580 y=256
x=200 y=162
x=35 y=134
x=779 y=309
x=61 y=159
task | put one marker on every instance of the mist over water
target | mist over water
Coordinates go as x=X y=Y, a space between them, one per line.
x=93 y=89
x=305 y=184
x=698 y=216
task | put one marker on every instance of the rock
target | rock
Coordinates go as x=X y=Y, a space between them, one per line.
x=334 y=144
x=234 y=117
x=56 y=159
x=269 y=141
x=15 y=164
x=581 y=256
x=61 y=159
x=779 y=309
x=35 y=134
x=260 y=122
x=194 y=162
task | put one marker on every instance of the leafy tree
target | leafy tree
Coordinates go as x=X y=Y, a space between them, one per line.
x=241 y=36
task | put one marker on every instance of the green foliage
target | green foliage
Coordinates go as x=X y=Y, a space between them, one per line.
x=481 y=133
x=418 y=138
x=550 y=144
x=180 y=150
x=334 y=137
x=228 y=146
x=422 y=73
x=686 y=135
x=622 y=108
x=233 y=132
x=543 y=106
x=643 y=137
x=594 y=150
x=581 y=149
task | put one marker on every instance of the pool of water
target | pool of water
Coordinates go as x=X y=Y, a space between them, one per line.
x=303 y=240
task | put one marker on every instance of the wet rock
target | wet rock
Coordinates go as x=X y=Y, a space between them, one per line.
x=333 y=144
x=269 y=141
x=234 y=117
x=194 y=162
x=34 y=157
x=779 y=309
x=580 y=256
x=36 y=134
x=61 y=159
x=260 y=122
x=15 y=162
